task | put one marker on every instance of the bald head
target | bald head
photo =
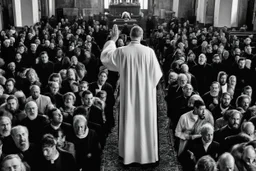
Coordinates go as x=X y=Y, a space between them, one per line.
x=226 y=162
x=248 y=128
x=249 y=155
x=136 y=33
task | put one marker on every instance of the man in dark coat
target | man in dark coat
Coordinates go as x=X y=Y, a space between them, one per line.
x=203 y=80
x=196 y=148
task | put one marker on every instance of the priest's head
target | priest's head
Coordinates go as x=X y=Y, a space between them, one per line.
x=136 y=33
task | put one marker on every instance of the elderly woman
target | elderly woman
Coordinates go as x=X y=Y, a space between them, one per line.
x=87 y=145
x=68 y=108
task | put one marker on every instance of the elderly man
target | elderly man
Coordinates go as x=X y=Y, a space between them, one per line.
x=12 y=162
x=226 y=162
x=53 y=158
x=211 y=98
x=200 y=147
x=43 y=102
x=140 y=73
x=206 y=163
x=29 y=151
x=190 y=123
x=87 y=145
x=34 y=122
x=247 y=162
x=179 y=104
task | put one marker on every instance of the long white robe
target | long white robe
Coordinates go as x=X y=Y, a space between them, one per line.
x=140 y=73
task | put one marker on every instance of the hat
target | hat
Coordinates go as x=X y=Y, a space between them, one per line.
x=103 y=69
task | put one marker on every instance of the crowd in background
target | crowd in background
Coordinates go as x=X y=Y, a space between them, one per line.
x=57 y=99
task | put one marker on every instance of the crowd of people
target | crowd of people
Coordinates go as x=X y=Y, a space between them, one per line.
x=210 y=94
x=56 y=106
x=57 y=98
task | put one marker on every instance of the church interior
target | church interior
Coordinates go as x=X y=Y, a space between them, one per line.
x=206 y=50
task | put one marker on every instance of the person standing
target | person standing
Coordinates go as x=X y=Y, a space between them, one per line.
x=140 y=73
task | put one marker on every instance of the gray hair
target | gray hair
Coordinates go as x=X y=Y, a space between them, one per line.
x=18 y=127
x=205 y=128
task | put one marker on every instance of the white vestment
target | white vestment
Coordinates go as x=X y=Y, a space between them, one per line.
x=140 y=73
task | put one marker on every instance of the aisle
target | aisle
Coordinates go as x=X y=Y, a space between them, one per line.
x=168 y=159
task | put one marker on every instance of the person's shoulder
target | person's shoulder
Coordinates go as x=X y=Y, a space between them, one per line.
x=44 y=97
x=185 y=115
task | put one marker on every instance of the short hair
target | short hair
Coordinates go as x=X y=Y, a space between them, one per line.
x=226 y=93
x=79 y=117
x=48 y=140
x=5 y=114
x=247 y=88
x=30 y=102
x=241 y=98
x=10 y=80
x=193 y=98
x=69 y=94
x=83 y=82
x=245 y=125
x=199 y=103
x=13 y=156
x=51 y=111
x=43 y=52
x=187 y=85
x=233 y=112
x=100 y=93
x=136 y=32
x=225 y=156
x=18 y=127
x=12 y=97
x=241 y=59
x=55 y=75
x=34 y=86
x=206 y=127
x=206 y=163
x=86 y=92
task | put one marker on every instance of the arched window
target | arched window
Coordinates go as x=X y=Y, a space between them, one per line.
x=143 y=3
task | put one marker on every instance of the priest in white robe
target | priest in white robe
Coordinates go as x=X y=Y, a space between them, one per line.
x=140 y=73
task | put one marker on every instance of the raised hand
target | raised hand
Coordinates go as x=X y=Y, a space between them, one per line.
x=114 y=33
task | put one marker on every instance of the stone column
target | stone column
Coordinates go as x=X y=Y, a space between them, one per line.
x=26 y=12
x=183 y=8
x=226 y=13
x=17 y=13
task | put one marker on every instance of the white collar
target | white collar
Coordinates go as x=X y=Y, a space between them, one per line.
x=55 y=127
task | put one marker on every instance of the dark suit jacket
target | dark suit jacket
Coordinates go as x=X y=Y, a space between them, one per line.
x=232 y=140
x=216 y=113
x=196 y=146
x=65 y=127
x=106 y=87
x=224 y=132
